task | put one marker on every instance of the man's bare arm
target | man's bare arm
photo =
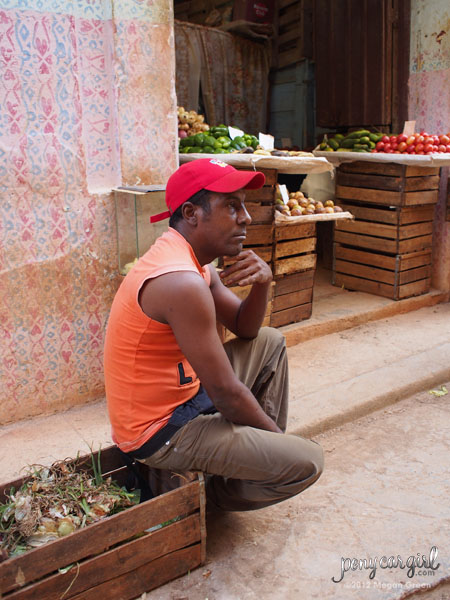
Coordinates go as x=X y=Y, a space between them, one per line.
x=244 y=318
x=184 y=301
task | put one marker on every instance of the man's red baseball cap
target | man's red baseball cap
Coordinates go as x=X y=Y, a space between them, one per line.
x=209 y=174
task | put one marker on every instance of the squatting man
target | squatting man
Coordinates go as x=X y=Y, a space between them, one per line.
x=178 y=398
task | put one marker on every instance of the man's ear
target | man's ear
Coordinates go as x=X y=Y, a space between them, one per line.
x=189 y=212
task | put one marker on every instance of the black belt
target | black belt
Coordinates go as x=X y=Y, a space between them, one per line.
x=200 y=404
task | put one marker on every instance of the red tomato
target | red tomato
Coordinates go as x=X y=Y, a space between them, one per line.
x=420 y=152
x=419 y=139
x=411 y=148
x=428 y=147
x=428 y=140
x=394 y=145
x=402 y=146
x=442 y=148
x=436 y=140
x=410 y=140
x=447 y=148
x=397 y=152
x=387 y=147
x=390 y=151
x=424 y=133
x=435 y=148
x=374 y=150
x=379 y=145
x=401 y=138
x=444 y=139
x=393 y=139
x=385 y=139
x=419 y=148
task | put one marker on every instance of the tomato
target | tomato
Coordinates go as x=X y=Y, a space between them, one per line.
x=387 y=147
x=436 y=140
x=444 y=139
x=419 y=148
x=374 y=150
x=379 y=145
x=424 y=133
x=441 y=148
x=401 y=138
x=435 y=148
x=411 y=148
x=394 y=145
x=428 y=147
x=385 y=139
x=397 y=152
x=428 y=140
x=410 y=140
x=402 y=146
x=393 y=139
x=419 y=139
x=447 y=149
x=390 y=151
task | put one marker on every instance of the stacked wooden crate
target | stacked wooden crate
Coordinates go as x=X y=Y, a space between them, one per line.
x=294 y=39
x=293 y=268
x=118 y=557
x=386 y=250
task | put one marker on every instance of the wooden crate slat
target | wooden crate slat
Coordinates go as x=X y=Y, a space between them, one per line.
x=294 y=282
x=265 y=195
x=414 y=259
x=98 y=537
x=418 y=243
x=386 y=197
x=291 y=315
x=113 y=563
x=364 y=285
x=366 y=258
x=292 y=247
x=365 y=271
x=368 y=228
x=416 y=214
x=414 y=289
x=271 y=175
x=362 y=180
x=260 y=213
x=295 y=263
x=414 y=274
x=291 y=232
x=371 y=213
x=147 y=577
x=428 y=182
x=387 y=169
x=292 y=299
x=366 y=241
x=259 y=234
x=414 y=230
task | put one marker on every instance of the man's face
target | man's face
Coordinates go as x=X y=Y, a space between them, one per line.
x=224 y=226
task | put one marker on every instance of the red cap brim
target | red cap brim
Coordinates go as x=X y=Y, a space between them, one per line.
x=160 y=217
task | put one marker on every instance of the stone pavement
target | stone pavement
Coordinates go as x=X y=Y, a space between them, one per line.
x=384 y=492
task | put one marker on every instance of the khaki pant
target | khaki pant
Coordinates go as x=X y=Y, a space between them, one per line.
x=247 y=468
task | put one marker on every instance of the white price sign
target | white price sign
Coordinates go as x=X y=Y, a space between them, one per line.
x=266 y=141
x=234 y=132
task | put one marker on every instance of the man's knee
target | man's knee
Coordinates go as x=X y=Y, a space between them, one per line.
x=309 y=461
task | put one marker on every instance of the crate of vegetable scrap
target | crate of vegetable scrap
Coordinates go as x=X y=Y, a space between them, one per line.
x=72 y=530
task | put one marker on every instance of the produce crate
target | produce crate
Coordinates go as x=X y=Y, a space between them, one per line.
x=389 y=229
x=293 y=297
x=396 y=277
x=117 y=557
x=294 y=248
x=387 y=184
x=294 y=39
x=242 y=292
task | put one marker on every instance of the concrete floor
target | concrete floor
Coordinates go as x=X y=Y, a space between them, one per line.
x=386 y=485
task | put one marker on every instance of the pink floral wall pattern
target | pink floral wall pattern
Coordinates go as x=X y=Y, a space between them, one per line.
x=73 y=125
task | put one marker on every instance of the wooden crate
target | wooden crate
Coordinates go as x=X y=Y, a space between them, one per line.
x=294 y=39
x=294 y=248
x=396 y=277
x=387 y=184
x=293 y=295
x=242 y=292
x=390 y=229
x=115 y=558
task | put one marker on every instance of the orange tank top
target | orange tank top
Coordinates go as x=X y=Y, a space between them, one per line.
x=146 y=374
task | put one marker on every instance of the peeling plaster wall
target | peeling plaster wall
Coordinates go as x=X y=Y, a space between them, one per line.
x=429 y=105
x=87 y=102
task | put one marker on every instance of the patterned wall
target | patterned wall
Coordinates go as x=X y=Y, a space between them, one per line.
x=429 y=105
x=87 y=101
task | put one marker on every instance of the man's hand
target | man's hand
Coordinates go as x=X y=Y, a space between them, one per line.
x=248 y=269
